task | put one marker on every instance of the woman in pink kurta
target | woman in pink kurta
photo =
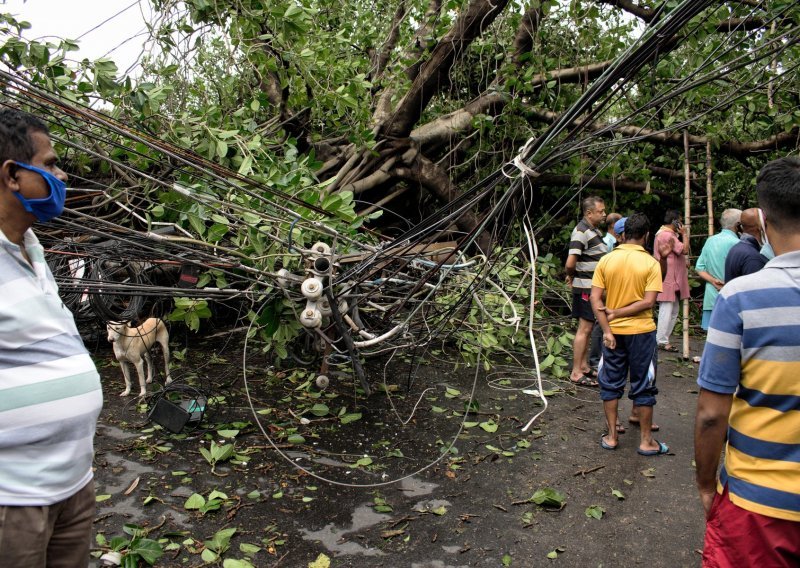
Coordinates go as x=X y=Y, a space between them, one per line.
x=676 y=282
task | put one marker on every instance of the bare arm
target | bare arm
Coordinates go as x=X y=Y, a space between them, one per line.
x=569 y=267
x=599 y=309
x=715 y=282
x=664 y=248
x=636 y=307
x=710 y=428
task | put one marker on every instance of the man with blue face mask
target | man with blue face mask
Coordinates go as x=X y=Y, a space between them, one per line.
x=49 y=386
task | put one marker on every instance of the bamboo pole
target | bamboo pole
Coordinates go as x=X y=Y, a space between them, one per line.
x=687 y=217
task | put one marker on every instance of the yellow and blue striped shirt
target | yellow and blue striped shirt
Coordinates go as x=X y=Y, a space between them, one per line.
x=753 y=352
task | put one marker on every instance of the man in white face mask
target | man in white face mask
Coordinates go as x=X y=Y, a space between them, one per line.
x=49 y=386
x=744 y=257
x=766 y=248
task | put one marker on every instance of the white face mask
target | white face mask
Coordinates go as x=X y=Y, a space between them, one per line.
x=766 y=248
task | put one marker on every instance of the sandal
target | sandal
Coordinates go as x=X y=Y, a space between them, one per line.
x=585 y=381
x=668 y=347
x=591 y=373
x=620 y=428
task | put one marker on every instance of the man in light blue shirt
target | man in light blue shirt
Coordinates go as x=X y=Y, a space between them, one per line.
x=711 y=264
x=612 y=237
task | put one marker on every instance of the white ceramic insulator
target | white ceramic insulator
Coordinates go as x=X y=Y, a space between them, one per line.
x=322 y=382
x=311 y=317
x=321 y=248
x=324 y=307
x=311 y=288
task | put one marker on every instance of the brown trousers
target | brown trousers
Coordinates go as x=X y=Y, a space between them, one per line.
x=56 y=536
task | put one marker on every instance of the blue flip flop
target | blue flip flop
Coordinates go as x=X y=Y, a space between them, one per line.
x=662 y=449
x=607 y=446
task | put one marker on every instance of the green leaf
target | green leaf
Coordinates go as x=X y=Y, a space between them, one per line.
x=548 y=497
x=216 y=495
x=101 y=498
x=249 y=548
x=149 y=550
x=552 y=555
x=506 y=560
x=221 y=540
x=322 y=561
x=439 y=511
x=228 y=433
x=363 y=462
x=595 y=512
x=296 y=439
x=196 y=501
x=320 y=409
x=350 y=417
x=489 y=426
x=618 y=494
x=451 y=393
x=234 y=563
x=209 y=555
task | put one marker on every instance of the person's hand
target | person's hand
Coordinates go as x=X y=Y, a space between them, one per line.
x=568 y=280
x=611 y=315
x=717 y=283
x=707 y=498
x=609 y=340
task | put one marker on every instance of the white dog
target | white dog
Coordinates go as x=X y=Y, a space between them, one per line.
x=132 y=345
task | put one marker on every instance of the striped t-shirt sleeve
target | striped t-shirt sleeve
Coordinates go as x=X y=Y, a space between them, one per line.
x=720 y=366
x=578 y=242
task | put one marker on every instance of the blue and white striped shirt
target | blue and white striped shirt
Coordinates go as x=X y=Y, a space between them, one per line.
x=753 y=353
x=50 y=394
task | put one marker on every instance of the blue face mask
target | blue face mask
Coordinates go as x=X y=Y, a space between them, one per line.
x=48 y=207
x=767 y=252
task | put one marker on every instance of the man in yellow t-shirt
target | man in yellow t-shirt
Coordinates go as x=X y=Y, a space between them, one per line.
x=630 y=280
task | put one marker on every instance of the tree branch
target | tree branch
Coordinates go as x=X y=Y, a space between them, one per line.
x=641 y=12
x=731 y=148
x=445 y=127
x=469 y=25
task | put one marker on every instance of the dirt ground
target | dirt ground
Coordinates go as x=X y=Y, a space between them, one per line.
x=384 y=499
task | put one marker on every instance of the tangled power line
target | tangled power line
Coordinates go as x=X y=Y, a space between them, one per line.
x=355 y=294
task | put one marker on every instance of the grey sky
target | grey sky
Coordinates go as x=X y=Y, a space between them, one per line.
x=74 y=18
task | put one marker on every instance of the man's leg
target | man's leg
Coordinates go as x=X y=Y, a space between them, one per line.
x=23 y=536
x=665 y=310
x=676 y=309
x=580 y=349
x=646 y=441
x=643 y=365
x=610 y=410
x=595 y=347
x=612 y=378
x=71 y=537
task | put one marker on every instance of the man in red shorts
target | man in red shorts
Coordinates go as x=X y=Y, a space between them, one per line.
x=750 y=394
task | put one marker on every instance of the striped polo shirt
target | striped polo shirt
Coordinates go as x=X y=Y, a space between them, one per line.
x=50 y=394
x=753 y=353
x=587 y=244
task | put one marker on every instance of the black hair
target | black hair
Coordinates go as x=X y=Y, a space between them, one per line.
x=778 y=189
x=671 y=216
x=589 y=203
x=637 y=226
x=15 y=134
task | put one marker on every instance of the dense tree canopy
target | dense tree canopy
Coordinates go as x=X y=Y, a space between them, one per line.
x=379 y=114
